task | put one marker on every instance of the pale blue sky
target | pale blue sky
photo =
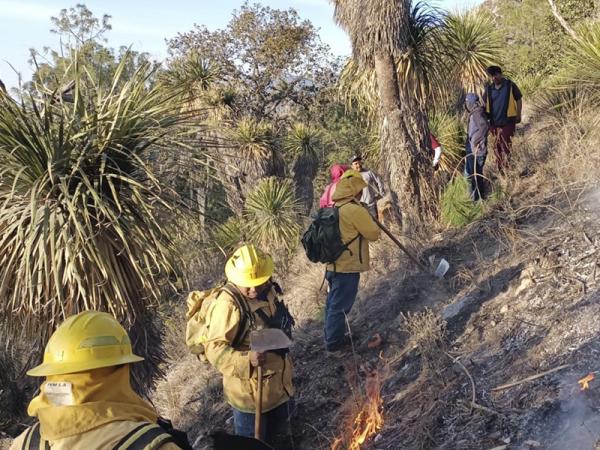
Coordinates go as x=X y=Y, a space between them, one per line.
x=145 y=24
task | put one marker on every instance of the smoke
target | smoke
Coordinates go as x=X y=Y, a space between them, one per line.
x=577 y=425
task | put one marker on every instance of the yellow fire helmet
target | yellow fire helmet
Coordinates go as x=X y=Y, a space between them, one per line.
x=86 y=341
x=249 y=267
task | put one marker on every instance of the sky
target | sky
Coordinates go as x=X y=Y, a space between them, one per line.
x=145 y=24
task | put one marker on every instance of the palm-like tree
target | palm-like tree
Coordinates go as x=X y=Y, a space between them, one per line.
x=302 y=144
x=83 y=218
x=252 y=156
x=380 y=32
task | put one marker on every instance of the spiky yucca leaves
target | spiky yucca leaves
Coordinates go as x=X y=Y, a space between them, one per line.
x=582 y=60
x=451 y=135
x=421 y=73
x=83 y=220
x=302 y=144
x=358 y=90
x=472 y=43
x=457 y=208
x=271 y=215
x=255 y=150
x=191 y=75
x=228 y=236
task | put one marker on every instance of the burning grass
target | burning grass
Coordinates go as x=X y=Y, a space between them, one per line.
x=365 y=418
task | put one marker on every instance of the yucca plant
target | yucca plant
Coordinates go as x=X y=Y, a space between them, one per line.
x=271 y=215
x=471 y=43
x=226 y=237
x=451 y=135
x=302 y=145
x=84 y=222
x=582 y=60
x=190 y=75
x=457 y=208
x=421 y=72
x=255 y=151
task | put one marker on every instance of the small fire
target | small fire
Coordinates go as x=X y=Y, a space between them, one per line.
x=585 y=381
x=369 y=420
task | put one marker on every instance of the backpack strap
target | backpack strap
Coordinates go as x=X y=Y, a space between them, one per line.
x=33 y=439
x=245 y=313
x=148 y=436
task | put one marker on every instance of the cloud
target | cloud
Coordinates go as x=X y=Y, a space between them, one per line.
x=31 y=11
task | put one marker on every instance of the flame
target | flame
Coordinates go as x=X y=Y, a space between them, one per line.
x=369 y=419
x=585 y=381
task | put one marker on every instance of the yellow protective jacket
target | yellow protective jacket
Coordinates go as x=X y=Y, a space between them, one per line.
x=355 y=221
x=90 y=410
x=239 y=377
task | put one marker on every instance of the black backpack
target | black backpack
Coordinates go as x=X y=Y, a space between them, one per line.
x=322 y=241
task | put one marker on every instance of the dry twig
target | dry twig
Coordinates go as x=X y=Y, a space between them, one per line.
x=531 y=378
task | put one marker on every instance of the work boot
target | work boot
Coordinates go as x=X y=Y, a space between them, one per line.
x=337 y=354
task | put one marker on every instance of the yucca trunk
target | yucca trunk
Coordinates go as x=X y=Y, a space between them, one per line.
x=403 y=136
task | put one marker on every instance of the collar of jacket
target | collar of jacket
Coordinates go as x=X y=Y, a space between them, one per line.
x=97 y=397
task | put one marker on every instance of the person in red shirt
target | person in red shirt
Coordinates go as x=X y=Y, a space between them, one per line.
x=437 y=150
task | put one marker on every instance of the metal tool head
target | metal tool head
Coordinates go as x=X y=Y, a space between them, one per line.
x=268 y=339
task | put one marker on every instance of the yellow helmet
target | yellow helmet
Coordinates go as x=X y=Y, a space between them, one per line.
x=249 y=267
x=86 y=341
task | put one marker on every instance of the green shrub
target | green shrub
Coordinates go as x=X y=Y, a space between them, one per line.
x=458 y=210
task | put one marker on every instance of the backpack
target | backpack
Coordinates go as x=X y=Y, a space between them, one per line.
x=322 y=241
x=198 y=302
x=147 y=436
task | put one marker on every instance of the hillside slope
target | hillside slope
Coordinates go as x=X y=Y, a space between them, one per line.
x=520 y=302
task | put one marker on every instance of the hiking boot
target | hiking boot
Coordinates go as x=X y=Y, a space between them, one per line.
x=337 y=354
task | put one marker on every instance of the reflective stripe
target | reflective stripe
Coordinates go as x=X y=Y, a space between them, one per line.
x=148 y=436
x=33 y=439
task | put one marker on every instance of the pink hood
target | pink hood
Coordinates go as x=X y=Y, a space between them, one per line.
x=337 y=170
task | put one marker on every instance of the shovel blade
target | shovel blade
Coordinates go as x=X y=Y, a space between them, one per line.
x=442 y=268
x=268 y=339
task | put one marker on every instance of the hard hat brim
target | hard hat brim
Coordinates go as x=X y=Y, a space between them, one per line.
x=57 y=368
x=239 y=280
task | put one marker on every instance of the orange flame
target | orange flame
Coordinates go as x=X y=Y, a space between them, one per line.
x=585 y=381
x=369 y=419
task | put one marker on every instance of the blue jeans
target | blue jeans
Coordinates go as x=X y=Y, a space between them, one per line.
x=474 y=173
x=343 y=288
x=275 y=426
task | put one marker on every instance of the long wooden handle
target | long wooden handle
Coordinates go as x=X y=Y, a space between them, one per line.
x=399 y=244
x=258 y=412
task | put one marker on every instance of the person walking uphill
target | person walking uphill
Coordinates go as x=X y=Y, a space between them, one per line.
x=249 y=301
x=357 y=229
x=86 y=401
x=476 y=146
x=337 y=170
x=374 y=189
x=503 y=105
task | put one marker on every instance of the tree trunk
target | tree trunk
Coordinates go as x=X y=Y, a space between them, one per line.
x=403 y=143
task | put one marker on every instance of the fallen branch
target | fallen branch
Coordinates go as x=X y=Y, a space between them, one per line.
x=482 y=408
x=531 y=378
x=462 y=366
x=561 y=19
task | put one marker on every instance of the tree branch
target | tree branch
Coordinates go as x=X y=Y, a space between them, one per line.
x=561 y=19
